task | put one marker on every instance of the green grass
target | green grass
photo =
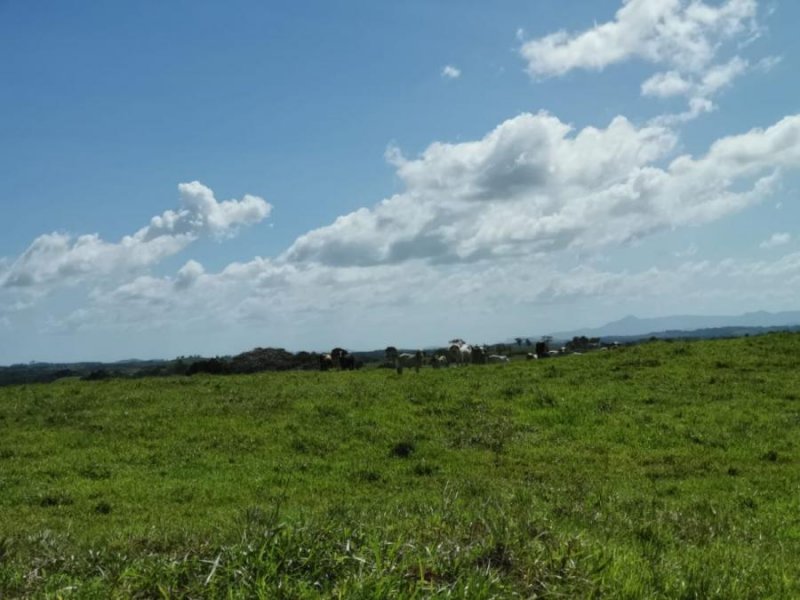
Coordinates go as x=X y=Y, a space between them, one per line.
x=667 y=470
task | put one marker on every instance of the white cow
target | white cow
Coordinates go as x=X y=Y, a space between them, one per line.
x=499 y=359
x=439 y=362
x=459 y=352
x=408 y=360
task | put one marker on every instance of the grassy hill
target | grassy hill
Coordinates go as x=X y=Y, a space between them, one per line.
x=660 y=470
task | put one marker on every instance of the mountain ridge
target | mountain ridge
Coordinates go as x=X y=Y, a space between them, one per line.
x=630 y=326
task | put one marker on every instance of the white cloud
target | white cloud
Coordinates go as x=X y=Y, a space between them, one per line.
x=687 y=252
x=202 y=212
x=776 y=239
x=664 y=85
x=533 y=185
x=684 y=35
x=720 y=76
x=188 y=274
x=710 y=82
x=317 y=306
x=768 y=63
x=451 y=72
x=512 y=201
x=58 y=258
x=681 y=33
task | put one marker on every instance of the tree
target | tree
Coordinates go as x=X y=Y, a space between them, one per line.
x=519 y=341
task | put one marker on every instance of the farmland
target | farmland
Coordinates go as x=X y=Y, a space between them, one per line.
x=660 y=470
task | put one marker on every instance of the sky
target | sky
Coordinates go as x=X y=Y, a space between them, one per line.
x=182 y=178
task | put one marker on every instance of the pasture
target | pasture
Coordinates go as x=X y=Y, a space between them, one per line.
x=666 y=470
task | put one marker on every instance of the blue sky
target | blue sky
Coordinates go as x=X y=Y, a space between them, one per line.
x=365 y=174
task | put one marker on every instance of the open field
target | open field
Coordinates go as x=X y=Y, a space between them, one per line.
x=663 y=470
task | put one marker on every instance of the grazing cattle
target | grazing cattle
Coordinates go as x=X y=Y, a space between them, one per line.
x=325 y=362
x=419 y=358
x=499 y=359
x=439 y=361
x=530 y=356
x=480 y=355
x=408 y=360
x=453 y=354
x=338 y=356
x=459 y=352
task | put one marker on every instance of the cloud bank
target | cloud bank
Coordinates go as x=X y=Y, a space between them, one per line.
x=534 y=185
x=60 y=259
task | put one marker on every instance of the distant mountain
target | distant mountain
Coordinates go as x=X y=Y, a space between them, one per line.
x=707 y=333
x=635 y=327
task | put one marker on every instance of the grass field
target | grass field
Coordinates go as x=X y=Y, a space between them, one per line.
x=662 y=470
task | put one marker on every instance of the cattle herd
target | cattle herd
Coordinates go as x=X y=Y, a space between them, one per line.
x=338 y=358
x=458 y=353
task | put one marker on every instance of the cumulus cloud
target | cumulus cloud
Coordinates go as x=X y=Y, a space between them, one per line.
x=387 y=303
x=680 y=33
x=451 y=72
x=202 y=212
x=188 y=274
x=776 y=239
x=684 y=35
x=717 y=77
x=664 y=85
x=535 y=185
x=59 y=258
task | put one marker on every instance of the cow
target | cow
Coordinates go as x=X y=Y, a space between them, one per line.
x=408 y=360
x=542 y=351
x=530 y=356
x=348 y=362
x=325 y=362
x=419 y=357
x=340 y=360
x=479 y=355
x=439 y=361
x=499 y=359
x=459 y=352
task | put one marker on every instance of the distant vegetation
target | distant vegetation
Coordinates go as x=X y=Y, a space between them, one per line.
x=661 y=470
x=278 y=359
x=259 y=359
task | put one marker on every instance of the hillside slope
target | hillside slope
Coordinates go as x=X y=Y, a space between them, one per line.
x=660 y=470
